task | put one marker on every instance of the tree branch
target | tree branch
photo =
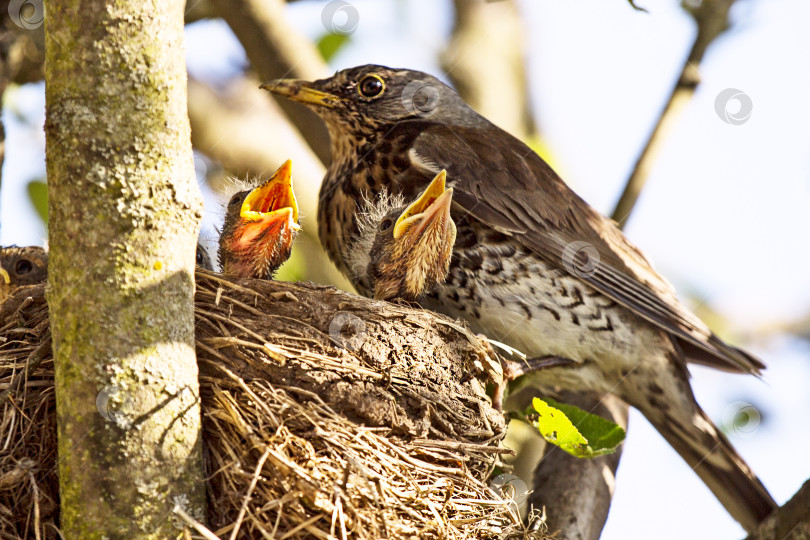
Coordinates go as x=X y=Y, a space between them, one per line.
x=124 y=217
x=485 y=61
x=276 y=50
x=712 y=19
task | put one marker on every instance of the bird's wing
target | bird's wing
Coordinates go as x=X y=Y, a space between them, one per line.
x=501 y=182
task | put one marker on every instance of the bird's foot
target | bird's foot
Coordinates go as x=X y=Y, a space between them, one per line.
x=512 y=370
x=492 y=365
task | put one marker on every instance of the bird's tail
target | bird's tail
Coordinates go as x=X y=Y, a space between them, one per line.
x=701 y=444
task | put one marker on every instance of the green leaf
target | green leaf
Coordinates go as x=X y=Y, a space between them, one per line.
x=579 y=433
x=329 y=44
x=602 y=434
x=38 y=193
x=557 y=429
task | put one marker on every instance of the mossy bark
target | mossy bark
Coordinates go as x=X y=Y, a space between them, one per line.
x=124 y=216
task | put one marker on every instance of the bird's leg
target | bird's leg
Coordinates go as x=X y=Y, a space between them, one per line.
x=509 y=370
x=512 y=370
x=492 y=364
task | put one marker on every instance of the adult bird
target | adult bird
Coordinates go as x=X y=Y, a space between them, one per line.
x=401 y=250
x=20 y=266
x=534 y=266
x=260 y=227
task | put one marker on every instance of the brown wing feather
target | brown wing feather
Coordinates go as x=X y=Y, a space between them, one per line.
x=513 y=190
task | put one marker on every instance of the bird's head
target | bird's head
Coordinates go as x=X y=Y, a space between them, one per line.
x=365 y=97
x=202 y=259
x=21 y=266
x=412 y=249
x=260 y=226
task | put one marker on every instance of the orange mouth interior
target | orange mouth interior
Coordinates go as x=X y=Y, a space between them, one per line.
x=270 y=206
x=275 y=195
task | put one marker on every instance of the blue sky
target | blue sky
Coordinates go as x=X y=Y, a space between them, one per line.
x=724 y=216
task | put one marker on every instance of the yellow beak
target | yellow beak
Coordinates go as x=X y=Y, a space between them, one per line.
x=432 y=193
x=301 y=91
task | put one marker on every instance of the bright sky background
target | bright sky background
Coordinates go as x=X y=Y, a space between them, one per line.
x=725 y=215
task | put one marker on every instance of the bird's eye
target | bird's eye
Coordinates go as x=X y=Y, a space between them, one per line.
x=234 y=201
x=386 y=224
x=371 y=86
x=200 y=256
x=23 y=266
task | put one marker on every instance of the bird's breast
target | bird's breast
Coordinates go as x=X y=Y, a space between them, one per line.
x=514 y=297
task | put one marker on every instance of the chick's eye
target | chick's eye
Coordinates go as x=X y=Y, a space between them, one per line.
x=386 y=224
x=371 y=86
x=23 y=266
x=234 y=201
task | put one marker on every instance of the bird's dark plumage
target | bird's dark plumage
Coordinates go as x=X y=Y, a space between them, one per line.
x=534 y=265
x=202 y=258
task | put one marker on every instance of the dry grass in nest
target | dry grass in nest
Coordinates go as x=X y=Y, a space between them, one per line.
x=302 y=437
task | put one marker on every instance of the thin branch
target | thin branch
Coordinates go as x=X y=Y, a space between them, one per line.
x=712 y=19
x=194 y=524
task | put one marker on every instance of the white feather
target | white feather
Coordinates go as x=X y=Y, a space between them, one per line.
x=369 y=215
x=422 y=162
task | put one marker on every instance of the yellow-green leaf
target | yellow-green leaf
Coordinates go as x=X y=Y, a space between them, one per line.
x=577 y=432
x=38 y=193
x=329 y=44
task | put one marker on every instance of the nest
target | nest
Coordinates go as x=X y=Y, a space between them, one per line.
x=325 y=415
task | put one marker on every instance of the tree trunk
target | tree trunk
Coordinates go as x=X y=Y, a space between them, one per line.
x=124 y=215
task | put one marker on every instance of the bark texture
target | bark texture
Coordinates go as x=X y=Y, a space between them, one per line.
x=124 y=216
x=790 y=522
